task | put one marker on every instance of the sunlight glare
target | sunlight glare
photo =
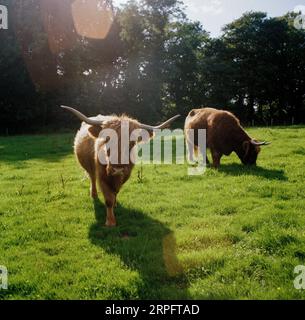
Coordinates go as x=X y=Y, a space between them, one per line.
x=92 y=18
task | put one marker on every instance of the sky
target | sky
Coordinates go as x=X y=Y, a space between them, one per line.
x=214 y=14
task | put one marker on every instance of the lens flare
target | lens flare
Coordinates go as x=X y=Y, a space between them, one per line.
x=92 y=18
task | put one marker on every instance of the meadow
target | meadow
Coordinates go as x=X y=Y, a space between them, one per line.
x=235 y=233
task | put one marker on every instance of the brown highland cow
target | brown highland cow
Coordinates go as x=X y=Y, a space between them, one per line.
x=224 y=136
x=90 y=147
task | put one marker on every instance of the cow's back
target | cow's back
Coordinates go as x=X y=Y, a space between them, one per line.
x=198 y=118
x=222 y=128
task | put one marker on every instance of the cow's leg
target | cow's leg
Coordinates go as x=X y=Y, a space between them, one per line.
x=216 y=158
x=110 y=200
x=191 y=149
x=110 y=220
x=205 y=154
x=93 y=190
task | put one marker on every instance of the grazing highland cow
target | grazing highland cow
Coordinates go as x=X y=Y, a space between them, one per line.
x=94 y=156
x=224 y=135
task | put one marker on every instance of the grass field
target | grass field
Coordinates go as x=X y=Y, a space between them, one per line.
x=236 y=233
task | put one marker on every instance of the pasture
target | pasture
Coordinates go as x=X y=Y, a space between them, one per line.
x=235 y=233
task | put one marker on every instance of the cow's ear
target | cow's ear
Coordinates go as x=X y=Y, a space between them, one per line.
x=94 y=131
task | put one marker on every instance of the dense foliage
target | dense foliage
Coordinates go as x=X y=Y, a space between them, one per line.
x=153 y=62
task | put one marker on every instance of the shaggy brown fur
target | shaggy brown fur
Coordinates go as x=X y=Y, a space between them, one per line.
x=224 y=136
x=111 y=177
x=105 y=162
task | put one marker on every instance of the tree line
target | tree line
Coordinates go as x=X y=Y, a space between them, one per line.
x=152 y=63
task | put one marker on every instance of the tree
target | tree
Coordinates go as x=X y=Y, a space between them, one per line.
x=152 y=62
x=185 y=85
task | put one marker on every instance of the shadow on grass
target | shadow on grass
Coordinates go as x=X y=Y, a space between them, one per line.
x=242 y=170
x=146 y=246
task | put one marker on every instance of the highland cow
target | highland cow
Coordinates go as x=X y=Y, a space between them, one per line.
x=93 y=155
x=224 y=136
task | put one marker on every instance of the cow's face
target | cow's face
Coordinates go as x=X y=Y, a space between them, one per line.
x=116 y=141
x=251 y=153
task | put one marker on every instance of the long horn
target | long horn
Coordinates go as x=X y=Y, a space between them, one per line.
x=83 y=117
x=161 y=126
x=258 y=144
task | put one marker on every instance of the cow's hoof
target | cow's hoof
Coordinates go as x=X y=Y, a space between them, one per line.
x=93 y=194
x=110 y=224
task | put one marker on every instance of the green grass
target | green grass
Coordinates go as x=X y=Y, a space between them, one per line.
x=236 y=233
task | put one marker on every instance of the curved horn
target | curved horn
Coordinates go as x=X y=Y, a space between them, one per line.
x=258 y=144
x=83 y=117
x=161 y=126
